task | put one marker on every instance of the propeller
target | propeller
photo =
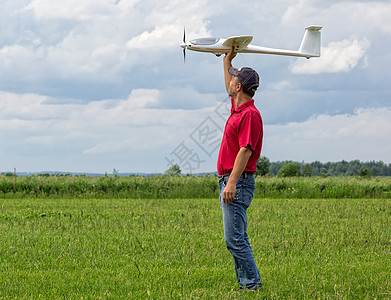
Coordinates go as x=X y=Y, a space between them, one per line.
x=184 y=45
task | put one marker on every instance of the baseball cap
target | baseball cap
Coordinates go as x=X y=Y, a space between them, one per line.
x=247 y=76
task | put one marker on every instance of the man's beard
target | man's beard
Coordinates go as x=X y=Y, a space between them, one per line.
x=232 y=93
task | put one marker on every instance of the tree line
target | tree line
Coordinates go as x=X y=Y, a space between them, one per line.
x=317 y=168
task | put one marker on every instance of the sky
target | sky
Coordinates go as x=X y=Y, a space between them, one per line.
x=97 y=85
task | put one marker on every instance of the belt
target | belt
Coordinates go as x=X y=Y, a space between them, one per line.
x=244 y=175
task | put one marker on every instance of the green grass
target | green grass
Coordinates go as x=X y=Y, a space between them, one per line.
x=174 y=249
x=186 y=187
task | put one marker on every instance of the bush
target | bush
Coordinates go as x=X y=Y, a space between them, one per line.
x=289 y=169
x=173 y=170
x=263 y=166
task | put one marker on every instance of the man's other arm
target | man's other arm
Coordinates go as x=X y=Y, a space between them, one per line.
x=239 y=166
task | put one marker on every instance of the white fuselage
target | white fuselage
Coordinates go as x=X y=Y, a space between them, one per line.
x=219 y=49
x=310 y=45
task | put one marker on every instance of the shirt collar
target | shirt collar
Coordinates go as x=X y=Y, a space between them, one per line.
x=241 y=107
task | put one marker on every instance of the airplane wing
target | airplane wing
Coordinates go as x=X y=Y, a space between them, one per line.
x=239 y=41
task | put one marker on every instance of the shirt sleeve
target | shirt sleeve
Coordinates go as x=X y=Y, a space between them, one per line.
x=250 y=130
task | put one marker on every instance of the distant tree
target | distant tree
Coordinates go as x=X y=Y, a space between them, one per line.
x=173 y=170
x=353 y=168
x=364 y=172
x=316 y=165
x=307 y=170
x=323 y=171
x=342 y=168
x=263 y=166
x=43 y=174
x=275 y=167
x=289 y=169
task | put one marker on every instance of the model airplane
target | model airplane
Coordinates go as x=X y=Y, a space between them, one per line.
x=310 y=45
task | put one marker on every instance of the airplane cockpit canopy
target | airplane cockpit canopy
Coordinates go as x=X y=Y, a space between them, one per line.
x=205 y=41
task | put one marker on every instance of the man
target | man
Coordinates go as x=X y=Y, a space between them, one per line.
x=236 y=164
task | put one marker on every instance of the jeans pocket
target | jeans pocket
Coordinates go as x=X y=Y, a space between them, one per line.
x=248 y=194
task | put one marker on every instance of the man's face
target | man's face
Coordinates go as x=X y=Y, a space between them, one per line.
x=233 y=87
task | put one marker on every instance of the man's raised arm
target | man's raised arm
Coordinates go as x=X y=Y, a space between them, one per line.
x=227 y=64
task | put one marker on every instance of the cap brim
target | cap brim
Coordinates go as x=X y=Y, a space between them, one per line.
x=233 y=71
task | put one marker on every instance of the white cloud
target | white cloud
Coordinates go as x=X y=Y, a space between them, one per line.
x=168 y=20
x=78 y=10
x=280 y=86
x=158 y=39
x=25 y=107
x=336 y=57
x=22 y=63
x=141 y=98
x=363 y=135
x=115 y=125
x=340 y=16
x=95 y=40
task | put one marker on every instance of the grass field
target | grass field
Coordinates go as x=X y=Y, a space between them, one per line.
x=174 y=249
x=186 y=187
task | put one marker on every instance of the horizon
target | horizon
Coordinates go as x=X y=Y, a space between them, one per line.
x=115 y=172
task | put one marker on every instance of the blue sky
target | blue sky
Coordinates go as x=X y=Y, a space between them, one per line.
x=97 y=85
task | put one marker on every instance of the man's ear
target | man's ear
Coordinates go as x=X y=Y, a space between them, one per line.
x=238 y=86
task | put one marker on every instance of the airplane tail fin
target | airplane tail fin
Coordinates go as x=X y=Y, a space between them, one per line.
x=311 y=41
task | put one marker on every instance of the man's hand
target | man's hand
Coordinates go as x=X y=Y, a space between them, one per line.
x=230 y=55
x=229 y=193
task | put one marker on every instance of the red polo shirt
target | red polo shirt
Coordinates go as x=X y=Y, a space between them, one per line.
x=243 y=129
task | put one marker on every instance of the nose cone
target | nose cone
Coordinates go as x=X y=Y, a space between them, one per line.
x=184 y=45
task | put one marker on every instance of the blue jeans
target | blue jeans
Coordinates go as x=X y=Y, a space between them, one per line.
x=235 y=230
